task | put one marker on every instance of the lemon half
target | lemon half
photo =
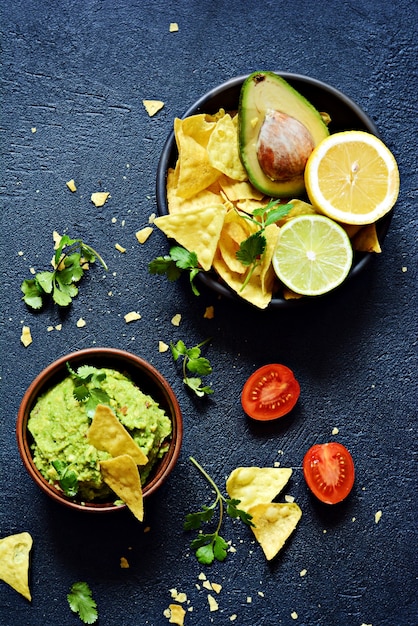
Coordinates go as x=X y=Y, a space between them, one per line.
x=352 y=177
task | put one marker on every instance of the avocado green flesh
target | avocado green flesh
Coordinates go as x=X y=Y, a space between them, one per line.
x=261 y=92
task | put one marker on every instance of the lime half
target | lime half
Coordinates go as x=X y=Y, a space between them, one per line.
x=313 y=255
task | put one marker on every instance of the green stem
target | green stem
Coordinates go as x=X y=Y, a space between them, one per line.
x=219 y=497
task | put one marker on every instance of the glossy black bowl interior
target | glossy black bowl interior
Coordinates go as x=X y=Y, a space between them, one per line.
x=345 y=115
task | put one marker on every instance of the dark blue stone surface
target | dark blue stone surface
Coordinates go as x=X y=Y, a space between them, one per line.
x=77 y=72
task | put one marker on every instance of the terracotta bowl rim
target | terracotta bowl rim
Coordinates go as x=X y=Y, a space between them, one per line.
x=40 y=384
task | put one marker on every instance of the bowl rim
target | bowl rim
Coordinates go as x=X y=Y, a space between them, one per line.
x=40 y=384
x=209 y=279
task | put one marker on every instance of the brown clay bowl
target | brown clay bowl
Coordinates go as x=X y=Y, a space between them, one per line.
x=143 y=374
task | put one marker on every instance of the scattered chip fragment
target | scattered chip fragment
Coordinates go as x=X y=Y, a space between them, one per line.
x=132 y=316
x=152 y=106
x=120 y=248
x=174 y=27
x=71 y=185
x=99 y=198
x=143 y=234
x=26 y=336
x=176 y=319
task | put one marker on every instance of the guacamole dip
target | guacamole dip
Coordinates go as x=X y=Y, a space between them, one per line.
x=59 y=422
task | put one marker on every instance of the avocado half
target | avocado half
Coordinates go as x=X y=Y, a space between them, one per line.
x=266 y=101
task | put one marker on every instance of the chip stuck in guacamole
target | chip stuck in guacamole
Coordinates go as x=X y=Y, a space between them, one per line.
x=61 y=418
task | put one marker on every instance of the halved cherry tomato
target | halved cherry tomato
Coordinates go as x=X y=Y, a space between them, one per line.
x=329 y=471
x=270 y=392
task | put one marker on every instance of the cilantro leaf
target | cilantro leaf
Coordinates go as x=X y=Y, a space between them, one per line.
x=211 y=546
x=81 y=602
x=194 y=363
x=67 y=478
x=87 y=387
x=173 y=264
x=251 y=248
x=60 y=283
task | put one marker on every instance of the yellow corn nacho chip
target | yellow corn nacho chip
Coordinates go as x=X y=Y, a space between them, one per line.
x=273 y=524
x=197 y=230
x=152 y=106
x=195 y=171
x=107 y=433
x=223 y=149
x=256 y=485
x=366 y=240
x=14 y=562
x=122 y=476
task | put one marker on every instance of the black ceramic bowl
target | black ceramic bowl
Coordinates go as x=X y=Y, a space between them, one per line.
x=144 y=375
x=345 y=115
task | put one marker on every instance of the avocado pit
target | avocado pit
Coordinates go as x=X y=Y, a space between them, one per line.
x=284 y=145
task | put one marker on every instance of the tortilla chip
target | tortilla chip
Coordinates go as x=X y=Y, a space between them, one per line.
x=366 y=240
x=14 y=562
x=152 y=106
x=107 y=433
x=273 y=525
x=195 y=171
x=239 y=190
x=197 y=230
x=256 y=485
x=122 y=476
x=223 y=149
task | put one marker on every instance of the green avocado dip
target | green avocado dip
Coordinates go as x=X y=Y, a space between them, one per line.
x=59 y=423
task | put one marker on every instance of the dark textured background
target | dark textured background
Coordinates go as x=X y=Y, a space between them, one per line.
x=77 y=71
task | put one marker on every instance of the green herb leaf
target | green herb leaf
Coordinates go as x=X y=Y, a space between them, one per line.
x=251 y=249
x=87 y=387
x=211 y=546
x=60 y=283
x=81 y=602
x=194 y=363
x=67 y=478
x=173 y=264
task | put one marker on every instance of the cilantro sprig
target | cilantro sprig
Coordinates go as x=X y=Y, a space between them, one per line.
x=69 y=262
x=211 y=546
x=81 y=602
x=88 y=387
x=251 y=250
x=194 y=363
x=67 y=478
x=175 y=263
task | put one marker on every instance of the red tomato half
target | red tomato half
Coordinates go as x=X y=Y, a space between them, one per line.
x=329 y=471
x=270 y=392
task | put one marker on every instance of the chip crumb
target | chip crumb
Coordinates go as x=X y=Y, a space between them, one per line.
x=404 y=269
x=152 y=106
x=213 y=605
x=120 y=248
x=202 y=576
x=71 y=185
x=33 y=129
x=20 y=253
x=99 y=198
x=294 y=615
x=335 y=431
x=233 y=617
x=151 y=218
x=377 y=516
x=176 y=319
x=56 y=237
x=209 y=313
x=49 y=328
x=289 y=498
x=132 y=316
x=26 y=336
x=124 y=563
x=303 y=572
x=143 y=234
x=217 y=588
x=261 y=594
x=175 y=614
x=58 y=327
x=162 y=347
x=207 y=585
x=80 y=323
x=249 y=599
x=174 y=27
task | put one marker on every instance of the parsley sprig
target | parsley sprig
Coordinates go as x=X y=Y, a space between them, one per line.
x=194 y=363
x=211 y=546
x=88 y=387
x=69 y=262
x=251 y=250
x=81 y=602
x=175 y=263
